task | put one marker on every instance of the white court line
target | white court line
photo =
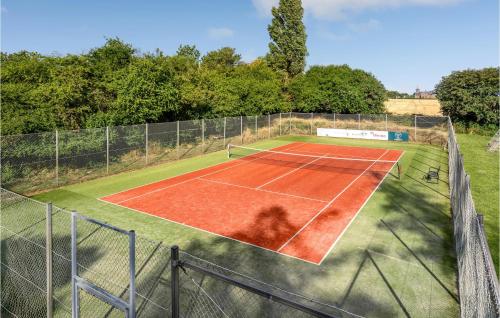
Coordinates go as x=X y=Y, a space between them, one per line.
x=330 y=203
x=262 y=190
x=290 y=172
x=191 y=179
x=296 y=144
x=359 y=210
x=206 y=231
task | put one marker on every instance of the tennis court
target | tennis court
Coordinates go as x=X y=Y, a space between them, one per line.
x=295 y=200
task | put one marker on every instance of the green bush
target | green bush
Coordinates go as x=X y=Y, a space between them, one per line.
x=114 y=85
x=337 y=89
x=470 y=97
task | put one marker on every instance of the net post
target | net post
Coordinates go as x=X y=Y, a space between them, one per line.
x=132 y=274
x=48 y=263
x=399 y=170
x=224 y=140
x=178 y=142
x=107 y=149
x=174 y=280
x=57 y=157
x=147 y=141
x=241 y=128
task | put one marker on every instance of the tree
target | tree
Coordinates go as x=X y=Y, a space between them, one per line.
x=225 y=57
x=113 y=55
x=287 y=49
x=337 y=89
x=145 y=94
x=399 y=95
x=471 y=96
x=189 y=51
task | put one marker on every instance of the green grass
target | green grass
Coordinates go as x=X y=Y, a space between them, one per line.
x=482 y=166
x=396 y=256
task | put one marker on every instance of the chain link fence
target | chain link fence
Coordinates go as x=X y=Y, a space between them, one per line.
x=37 y=273
x=36 y=241
x=35 y=162
x=477 y=280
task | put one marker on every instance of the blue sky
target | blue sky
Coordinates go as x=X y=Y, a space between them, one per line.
x=404 y=43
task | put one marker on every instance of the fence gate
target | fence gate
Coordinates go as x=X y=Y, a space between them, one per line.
x=102 y=269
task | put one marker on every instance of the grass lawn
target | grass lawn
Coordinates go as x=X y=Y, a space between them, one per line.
x=482 y=166
x=396 y=258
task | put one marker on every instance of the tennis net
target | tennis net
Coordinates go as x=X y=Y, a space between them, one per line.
x=313 y=161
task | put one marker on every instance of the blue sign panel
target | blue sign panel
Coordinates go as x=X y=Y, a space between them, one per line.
x=398 y=136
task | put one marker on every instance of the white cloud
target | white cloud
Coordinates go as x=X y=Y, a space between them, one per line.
x=220 y=33
x=338 y=9
x=361 y=27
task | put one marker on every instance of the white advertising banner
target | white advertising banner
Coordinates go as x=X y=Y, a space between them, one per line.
x=352 y=133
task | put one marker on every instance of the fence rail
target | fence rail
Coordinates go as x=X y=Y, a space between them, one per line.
x=477 y=281
x=46 y=160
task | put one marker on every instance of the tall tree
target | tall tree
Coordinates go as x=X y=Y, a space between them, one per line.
x=287 y=49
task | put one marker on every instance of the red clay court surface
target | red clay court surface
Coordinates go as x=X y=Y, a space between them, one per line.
x=293 y=205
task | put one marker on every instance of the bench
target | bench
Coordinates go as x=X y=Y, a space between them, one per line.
x=432 y=174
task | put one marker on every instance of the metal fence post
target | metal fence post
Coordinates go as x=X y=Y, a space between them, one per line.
x=241 y=128
x=48 y=255
x=202 y=136
x=290 y=123
x=359 y=121
x=107 y=149
x=132 y=274
x=256 y=127
x=312 y=117
x=415 y=128
x=386 y=122
x=178 y=142
x=147 y=141
x=280 y=123
x=269 y=122
x=224 y=133
x=174 y=280
x=75 y=299
x=333 y=120
x=57 y=157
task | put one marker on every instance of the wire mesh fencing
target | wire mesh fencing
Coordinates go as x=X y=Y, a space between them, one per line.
x=477 y=280
x=35 y=162
x=27 y=288
x=38 y=279
x=209 y=290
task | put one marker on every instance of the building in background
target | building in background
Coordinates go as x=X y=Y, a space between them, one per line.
x=424 y=94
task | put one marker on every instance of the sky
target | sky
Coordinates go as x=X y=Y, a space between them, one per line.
x=405 y=43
